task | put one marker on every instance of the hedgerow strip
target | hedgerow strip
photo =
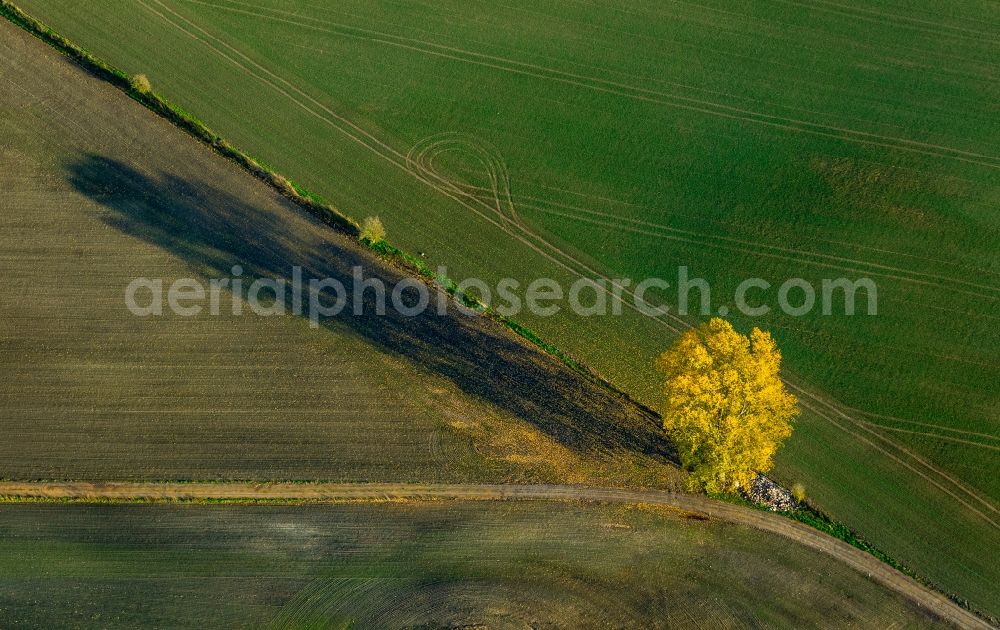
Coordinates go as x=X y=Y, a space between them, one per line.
x=418 y=267
x=317 y=206
x=311 y=201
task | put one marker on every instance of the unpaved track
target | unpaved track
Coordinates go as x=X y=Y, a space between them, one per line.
x=822 y=408
x=882 y=573
x=420 y=160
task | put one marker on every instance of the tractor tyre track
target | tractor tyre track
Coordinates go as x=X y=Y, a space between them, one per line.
x=875 y=569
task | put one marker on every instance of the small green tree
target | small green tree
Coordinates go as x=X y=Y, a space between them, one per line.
x=372 y=231
x=141 y=84
x=725 y=406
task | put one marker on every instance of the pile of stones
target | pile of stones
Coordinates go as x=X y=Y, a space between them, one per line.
x=767 y=493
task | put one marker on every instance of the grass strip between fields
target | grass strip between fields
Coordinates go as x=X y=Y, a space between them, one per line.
x=320 y=208
x=315 y=204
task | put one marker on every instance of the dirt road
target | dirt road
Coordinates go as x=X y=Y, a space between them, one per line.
x=934 y=602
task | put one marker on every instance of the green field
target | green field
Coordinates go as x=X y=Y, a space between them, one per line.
x=448 y=564
x=98 y=191
x=779 y=139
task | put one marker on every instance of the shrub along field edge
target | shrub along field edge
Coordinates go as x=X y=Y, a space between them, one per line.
x=139 y=91
x=333 y=217
x=313 y=203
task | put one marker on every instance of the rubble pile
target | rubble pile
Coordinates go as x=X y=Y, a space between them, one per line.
x=767 y=493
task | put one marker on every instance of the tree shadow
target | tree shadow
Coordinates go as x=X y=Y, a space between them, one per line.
x=213 y=230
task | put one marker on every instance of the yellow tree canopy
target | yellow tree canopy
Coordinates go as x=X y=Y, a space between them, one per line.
x=725 y=405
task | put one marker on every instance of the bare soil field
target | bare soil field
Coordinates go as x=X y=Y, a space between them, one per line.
x=807 y=177
x=774 y=139
x=452 y=563
x=98 y=192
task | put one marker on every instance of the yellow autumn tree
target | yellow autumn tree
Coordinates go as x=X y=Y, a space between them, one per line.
x=725 y=406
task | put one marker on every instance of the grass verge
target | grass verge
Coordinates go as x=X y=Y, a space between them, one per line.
x=330 y=215
x=817 y=519
x=315 y=204
x=136 y=90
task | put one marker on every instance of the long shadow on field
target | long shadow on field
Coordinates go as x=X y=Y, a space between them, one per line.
x=213 y=230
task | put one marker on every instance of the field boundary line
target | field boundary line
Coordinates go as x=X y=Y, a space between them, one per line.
x=89 y=63
x=418 y=156
x=861 y=561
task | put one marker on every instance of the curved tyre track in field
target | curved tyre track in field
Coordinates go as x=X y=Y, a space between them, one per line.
x=509 y=223
x=422 y=161
x=875 y=569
